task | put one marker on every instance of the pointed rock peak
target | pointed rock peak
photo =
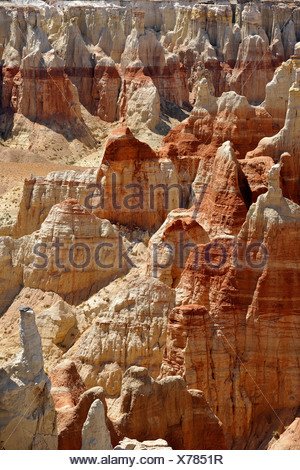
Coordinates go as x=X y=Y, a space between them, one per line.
x=274 y=199
x=205 y=98
x=121 y=132
x=30 y=356
x=28 y=416
x=226 y=163
x=95 y=435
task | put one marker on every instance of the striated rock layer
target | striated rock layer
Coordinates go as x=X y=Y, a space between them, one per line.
x=166 y=410
x=130 y=330
x=125 y=61
x=73 y=254
x=233 y=332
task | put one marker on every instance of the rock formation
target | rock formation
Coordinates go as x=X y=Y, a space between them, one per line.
x=216 y=120
x=70 y=420
x=67 y=386
x=105 y=90
x=256 y=170
x=223 y=207
x=40 y=194
x=166 y=410
x=95 y=435
x=131 y=330
x=170 y=246
x=129 y=197
x=108 y=57
x=226 y=298
x=11 y=272
x=28 y=417
x=34 y=80
x=254 y=57
x=72 y=403
x=277 y=91
x=73 y=254
x=117 y=191
x=57 y=327
x=89 y=256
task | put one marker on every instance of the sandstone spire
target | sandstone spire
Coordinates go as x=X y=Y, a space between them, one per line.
x=95 y=435
x=27 y=413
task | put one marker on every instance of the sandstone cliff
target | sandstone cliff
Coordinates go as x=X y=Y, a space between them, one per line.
x=107 y=57
x=73 y=254
x=227 y=296
x=95 y=435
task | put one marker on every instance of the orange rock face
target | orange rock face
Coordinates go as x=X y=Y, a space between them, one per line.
x=256 y=171
x=170 y=246
x=229 y=117
x=105 y=92
x=71 y=420
x=232 y=334
x=122 y=145
x=129 y=197
x=223 y=207
x=166 y=410
x=72 y=402
x=66 y=385
x=8 y=74
x=118 y=190
x=45 y=94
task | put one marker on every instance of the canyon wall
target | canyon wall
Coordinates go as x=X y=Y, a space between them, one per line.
x=124 y=62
